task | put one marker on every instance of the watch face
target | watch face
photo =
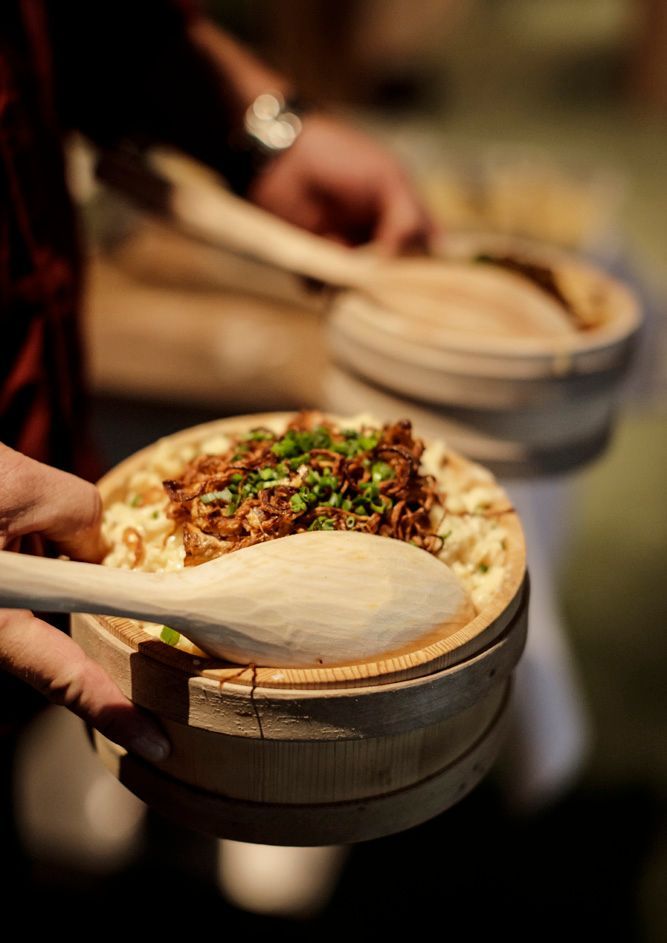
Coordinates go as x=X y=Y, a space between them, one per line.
x=270 y=124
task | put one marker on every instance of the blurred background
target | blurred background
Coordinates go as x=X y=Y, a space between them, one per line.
x=546 y=119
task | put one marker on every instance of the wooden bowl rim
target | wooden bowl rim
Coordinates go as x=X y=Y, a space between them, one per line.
x=487 y=625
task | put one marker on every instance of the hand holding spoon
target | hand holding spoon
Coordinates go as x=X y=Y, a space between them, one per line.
x=448 y=295
x=316 y=598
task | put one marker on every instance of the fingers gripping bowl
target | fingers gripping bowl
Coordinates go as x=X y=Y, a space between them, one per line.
x=313 y=754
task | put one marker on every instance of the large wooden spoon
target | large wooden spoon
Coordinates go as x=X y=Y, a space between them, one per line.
x=316 y=598
x=450 y=296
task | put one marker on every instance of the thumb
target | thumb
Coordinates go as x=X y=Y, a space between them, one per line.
x=55 y=665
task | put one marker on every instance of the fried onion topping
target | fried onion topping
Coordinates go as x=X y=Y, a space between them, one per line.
x=314 y=476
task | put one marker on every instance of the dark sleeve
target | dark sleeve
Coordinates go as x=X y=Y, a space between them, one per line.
x=127 y=71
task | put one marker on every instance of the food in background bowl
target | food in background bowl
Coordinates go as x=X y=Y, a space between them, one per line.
x=276 y=477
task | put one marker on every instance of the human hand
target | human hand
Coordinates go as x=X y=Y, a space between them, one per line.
x=38 y=500
x=339 y=183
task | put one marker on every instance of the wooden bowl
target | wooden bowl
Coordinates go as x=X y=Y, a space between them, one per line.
x=321 y=755
x=550 y=401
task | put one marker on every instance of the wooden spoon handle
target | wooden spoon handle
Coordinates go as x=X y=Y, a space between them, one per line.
x=65 y=586
x=213 y=215
x=219 y=218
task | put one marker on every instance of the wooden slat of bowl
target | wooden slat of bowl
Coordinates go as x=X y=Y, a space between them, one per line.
x=498 y=383
x=322 y=823
x=324 y=770
x=437 y=653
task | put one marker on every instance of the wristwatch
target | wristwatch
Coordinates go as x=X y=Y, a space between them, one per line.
x=271 y=123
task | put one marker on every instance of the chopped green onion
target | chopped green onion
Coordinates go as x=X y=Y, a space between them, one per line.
x=320 y=438
x=298 y=503
x=322 y=523
x=382 y=471
x=136 y=501
x=320 y=488
x=308 y=496
x=483 y=567
x=341 y=448
x=370 y=490
x=283 y=449
x=368 y=442
x=170 y=636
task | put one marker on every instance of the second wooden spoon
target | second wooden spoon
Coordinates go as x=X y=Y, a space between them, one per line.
x=458 y=297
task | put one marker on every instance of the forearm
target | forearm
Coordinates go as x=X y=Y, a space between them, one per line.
x=242 y=74
x=166 y=75
x=160 y=75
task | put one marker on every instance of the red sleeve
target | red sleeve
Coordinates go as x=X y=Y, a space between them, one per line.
x=128 y=72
